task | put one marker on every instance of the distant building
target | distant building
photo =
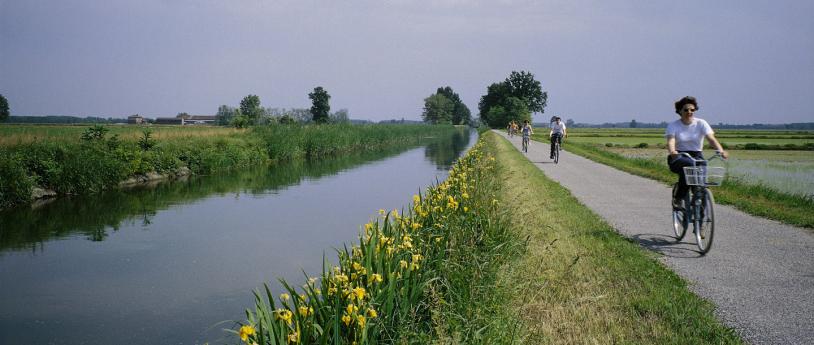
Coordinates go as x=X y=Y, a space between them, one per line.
x=135 y=119
x=186 y=119
x=169 y=121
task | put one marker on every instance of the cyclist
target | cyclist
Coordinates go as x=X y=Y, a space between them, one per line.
x=687 y=135
x=527 y=132
x=557 y=133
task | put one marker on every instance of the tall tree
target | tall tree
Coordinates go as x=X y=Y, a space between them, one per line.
x=321 y=106
x=460 y=112
x=495 y=94
x=251 y=109
x=5 y=112
x=523 y=86
x=438 y=109
x=224 y=115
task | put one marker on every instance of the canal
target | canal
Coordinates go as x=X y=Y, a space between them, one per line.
x=175 y=263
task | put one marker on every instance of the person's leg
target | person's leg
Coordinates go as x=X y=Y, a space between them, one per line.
x=677 y=166
x=553 y=139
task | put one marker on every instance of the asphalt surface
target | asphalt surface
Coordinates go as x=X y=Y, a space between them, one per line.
x=759 y=273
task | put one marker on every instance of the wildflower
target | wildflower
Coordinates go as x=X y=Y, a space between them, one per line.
x=465 y=195
x=372 y=313
x=403 y=264
x=245 y=332
x=284 y=297
x=305 y=311
x=414 y=266
x=361 y=320
x=346 y=319
x=331 y=291
x=294 y=337
x=416 y=226
x=357 y=266
x=302 y=297
x=382 y=211
x=359 y=292
x=376 y=278
x=285 y=315
x=466 y=209
x=351 y=308
x=416 y=199
x=437 y=240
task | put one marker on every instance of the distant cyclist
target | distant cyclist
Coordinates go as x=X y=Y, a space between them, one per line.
x=687 y=135
x=557 y=133
x=527 y=132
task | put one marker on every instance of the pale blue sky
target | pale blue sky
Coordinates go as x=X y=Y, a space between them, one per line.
x=746 y=61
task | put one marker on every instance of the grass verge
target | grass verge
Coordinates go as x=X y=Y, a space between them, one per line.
x=424 y=276
x=757 y=200
x=579 y=281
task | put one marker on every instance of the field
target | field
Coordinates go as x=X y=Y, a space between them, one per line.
x=786 y=171
x=732 y=139
x=13 y=135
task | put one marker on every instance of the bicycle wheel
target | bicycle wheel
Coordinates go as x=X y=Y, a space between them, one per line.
x=556 y=152
x=680 y=219
x=704 y=223
x=525 y=144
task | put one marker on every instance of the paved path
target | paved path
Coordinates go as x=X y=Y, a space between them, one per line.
x=759 y=273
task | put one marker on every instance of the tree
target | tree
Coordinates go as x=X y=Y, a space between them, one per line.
x=340 y=116
x=224 y=115
x=251 y=109
x=494 y=96
x=437 y=109
x=633 y=123
x=460 y=112
x=320 y=107
x=4 y=109
x=523 y=86
x=569 y=123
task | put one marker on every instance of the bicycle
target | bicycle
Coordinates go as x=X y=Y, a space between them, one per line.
x=557 y=148
x=697 y=205
x=526 y=143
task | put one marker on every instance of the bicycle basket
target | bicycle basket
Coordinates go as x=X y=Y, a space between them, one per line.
x=704 y=175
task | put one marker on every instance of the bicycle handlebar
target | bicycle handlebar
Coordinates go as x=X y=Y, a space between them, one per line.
x=694 y=161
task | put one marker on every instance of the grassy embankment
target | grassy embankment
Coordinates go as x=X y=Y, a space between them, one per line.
x=455 y=268
x=424 y=276
x=579 y=281
x=59 y=160
x=755 y=199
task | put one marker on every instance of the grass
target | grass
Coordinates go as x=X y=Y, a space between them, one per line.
x=580 y=282
x=14 y=135
x=752 y=140
x=415 y=278
x=755 y=199
x=70 y=165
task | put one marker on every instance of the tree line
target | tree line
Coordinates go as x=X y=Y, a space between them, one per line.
x=250 y=112
x=513 y=99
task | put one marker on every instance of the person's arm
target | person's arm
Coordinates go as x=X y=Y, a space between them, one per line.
x=717 y=145
x=671 y=146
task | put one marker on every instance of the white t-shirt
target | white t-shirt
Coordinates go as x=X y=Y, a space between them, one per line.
x=688 y=137
x=557 y=128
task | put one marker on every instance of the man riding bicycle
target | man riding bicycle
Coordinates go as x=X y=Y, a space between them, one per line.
x=557 y=133
x=686 y=135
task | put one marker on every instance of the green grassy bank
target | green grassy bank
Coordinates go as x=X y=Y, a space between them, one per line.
x=103 y=161
x=754 y=199
x=424 y=275
x=580 y=282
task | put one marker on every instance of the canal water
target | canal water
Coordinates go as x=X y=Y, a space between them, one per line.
x=174 y=263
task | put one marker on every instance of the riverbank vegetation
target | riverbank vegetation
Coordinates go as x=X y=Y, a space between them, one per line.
x=745 y=192
x=99 y=159
x=423 y=275
x=580 y=282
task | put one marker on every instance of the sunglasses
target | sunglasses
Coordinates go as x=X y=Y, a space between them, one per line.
x=689 y=110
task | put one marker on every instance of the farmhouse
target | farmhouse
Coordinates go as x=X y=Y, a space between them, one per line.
x=186 y=119
x=135 y=119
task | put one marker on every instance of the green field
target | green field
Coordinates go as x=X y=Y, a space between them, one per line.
x=733 y=139
x=13 y=135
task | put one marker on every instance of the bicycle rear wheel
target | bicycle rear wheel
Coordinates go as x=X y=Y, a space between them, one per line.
x=704 y=224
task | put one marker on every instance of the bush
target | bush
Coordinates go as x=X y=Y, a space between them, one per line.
x=642 y=146
x=15 y=184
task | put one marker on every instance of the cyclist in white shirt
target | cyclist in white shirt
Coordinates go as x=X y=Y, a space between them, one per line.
x=557 y=133
x=687 y=135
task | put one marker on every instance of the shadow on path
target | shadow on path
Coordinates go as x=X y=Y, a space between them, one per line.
x=666 y=245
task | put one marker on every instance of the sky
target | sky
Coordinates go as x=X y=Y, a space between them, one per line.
x=600 y=61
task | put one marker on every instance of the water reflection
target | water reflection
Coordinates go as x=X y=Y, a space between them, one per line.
x=444 y=151
x=93 y=216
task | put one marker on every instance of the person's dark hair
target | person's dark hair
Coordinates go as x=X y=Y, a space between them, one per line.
x=684 y=101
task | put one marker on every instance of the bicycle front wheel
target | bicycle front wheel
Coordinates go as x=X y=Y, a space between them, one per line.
x=556 y=153
x=704 y=223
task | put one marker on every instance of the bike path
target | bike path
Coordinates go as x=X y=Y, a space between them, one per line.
x=759 y=273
